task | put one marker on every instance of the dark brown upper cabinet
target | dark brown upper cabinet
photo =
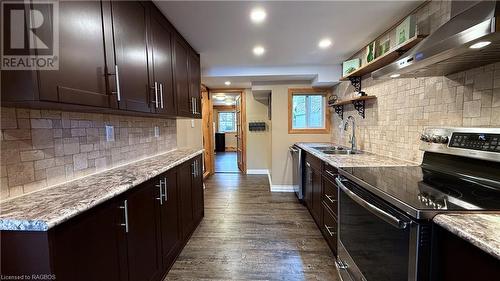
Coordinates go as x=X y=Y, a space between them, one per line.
x=131 y=55
x=161 y=77
x=181 y=78
x=121 y=57
x=194 y=83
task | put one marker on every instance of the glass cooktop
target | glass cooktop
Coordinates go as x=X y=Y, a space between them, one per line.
x=426 y=189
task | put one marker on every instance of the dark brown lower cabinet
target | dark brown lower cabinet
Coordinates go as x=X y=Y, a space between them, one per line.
x=133 y=237
x=320 y=197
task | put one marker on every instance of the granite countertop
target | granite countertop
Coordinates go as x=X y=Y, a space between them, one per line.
x=364 y=159
x=46 y=208
x=480 y=229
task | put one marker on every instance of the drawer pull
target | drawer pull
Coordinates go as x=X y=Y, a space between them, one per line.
x=331 y=174
x=329 y=232
x=330 y=198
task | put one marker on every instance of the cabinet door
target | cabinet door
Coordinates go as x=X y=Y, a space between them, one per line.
x=308 y=186
x=129 y=32
x=89 y=246
x=195 y=83
x=161 y=55
x=181 y=79
x=143 y=236
x=186 y=171
x=316 y=195
x=81 y=78
x=197 y=187
x=169 y=215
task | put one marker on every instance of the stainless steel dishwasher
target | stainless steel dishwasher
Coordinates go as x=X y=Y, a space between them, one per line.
x=297 y=159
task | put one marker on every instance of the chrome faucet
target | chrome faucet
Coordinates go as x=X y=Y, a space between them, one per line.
x=353 y=136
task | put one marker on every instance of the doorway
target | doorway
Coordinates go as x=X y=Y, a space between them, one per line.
x=225 y=121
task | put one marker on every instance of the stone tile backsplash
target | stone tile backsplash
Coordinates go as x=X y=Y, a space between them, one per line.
x=40 y=148
x=404 y=107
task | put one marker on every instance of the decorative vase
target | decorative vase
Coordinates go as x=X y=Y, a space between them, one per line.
x=371 y=52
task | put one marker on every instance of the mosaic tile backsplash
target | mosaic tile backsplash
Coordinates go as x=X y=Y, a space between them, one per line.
x=41 y=148
x=404 y=107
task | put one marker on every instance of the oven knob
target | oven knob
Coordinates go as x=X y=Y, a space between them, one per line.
x=444 y=140
x=435 y=139
x=424 y=138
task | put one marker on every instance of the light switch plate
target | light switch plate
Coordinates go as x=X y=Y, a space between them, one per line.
x=157 y=131
x=192 y=123
x=110 y=133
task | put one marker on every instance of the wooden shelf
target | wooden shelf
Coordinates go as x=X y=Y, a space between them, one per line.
x=386 y=58
x=349 y=101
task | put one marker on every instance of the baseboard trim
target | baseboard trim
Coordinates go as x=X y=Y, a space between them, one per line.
x=282 y=188
x=257 y=172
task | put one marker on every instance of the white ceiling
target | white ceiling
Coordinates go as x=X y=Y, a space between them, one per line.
x=233 y=96
x=221 y=31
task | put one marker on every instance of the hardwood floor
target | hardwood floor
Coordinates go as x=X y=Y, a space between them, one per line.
x=226 y=162
x=249 y=233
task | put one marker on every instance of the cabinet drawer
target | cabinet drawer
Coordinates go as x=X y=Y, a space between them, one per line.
x=313 y=161
x=330 y=195
x=329 y=228
x=330 y=172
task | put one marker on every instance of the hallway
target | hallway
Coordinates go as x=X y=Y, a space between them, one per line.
x=226 y=162
x=249 y=233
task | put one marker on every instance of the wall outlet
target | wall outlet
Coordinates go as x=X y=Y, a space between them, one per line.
x=110 y=133
x=157 y=131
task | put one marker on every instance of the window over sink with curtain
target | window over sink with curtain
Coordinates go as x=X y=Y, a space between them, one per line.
x=308 y=112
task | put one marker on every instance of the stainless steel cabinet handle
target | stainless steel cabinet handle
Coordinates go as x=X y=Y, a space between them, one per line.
x=389 y=218
x=192 y=170
x=192 y=105
x=330 y=198
x=328 y=230
x=125 y=212
x=161 y=95
x=160 y=186
x=156 y=94
x=117 y=79
x=307 y=164
x=165 y=194
x=331 y=174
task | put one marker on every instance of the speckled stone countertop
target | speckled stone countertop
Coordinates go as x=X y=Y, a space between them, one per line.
x=364 y=159
x=482 y=230
x=46 y=208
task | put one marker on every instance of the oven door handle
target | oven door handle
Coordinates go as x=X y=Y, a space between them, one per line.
x=389 y=218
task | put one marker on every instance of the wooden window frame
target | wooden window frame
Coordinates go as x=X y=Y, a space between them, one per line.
x=293 y=91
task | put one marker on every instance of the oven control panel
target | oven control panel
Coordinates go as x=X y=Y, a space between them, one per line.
x=479 y=143
x=476 y=141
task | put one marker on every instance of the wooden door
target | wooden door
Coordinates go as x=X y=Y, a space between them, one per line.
x=197 y=189
x=89 y=246
x=143 y=237
x=240 y=132
x=82 y=74
x=208 y=133
x=131 y=58
x=195 y=83
x=161 y=56
x=185 y=178
x=169 y=215
x=181 y=79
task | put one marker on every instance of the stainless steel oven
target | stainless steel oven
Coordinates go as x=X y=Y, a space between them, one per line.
x=297 y=160
x=378 y=241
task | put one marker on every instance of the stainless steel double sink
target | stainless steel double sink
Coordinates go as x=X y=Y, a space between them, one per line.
x=336 y=150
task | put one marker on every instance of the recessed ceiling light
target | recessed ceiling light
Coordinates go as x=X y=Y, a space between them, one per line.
x=227 y=83
x=480 y=44
x=324 y=43
x=395 y=75
x=258 y=15
x=220 y=97
x=259 y=50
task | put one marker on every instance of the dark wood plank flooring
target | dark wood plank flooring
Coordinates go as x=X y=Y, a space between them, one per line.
x=249 y=233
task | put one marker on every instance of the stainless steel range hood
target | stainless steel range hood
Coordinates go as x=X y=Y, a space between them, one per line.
x=448 y=49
